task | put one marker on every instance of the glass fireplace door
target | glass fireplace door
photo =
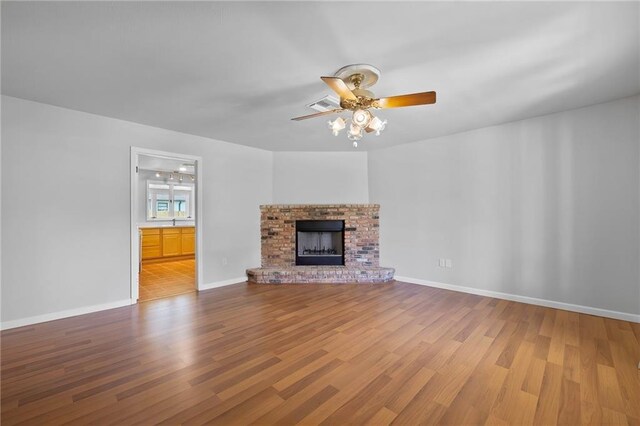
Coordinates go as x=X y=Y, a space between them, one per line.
x=320 y=242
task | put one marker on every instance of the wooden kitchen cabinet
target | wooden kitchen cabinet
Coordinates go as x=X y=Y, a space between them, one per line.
x=171 y=245
x=188 y=241
x=158 y=244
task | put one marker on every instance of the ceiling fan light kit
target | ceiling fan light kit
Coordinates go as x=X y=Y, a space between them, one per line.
x=351 y=83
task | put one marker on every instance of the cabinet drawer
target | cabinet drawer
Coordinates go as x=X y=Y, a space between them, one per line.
x=150 y=240
x=169 y=231
x=150 y=231
x=189 y=230
x=151 y=252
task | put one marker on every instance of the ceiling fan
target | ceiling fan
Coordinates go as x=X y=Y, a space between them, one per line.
x=351 y=83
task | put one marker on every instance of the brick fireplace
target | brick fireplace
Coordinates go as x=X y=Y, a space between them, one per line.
x=280 y=228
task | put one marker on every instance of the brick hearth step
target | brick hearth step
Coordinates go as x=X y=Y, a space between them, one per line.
x=319 y=274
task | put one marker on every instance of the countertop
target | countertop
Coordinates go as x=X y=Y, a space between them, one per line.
x=166 y=225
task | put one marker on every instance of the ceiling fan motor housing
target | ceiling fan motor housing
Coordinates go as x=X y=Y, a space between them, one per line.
x=365 y=99
x=366 y=75
x=364 y=93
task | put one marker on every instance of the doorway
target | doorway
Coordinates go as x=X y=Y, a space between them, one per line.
x=165 y=224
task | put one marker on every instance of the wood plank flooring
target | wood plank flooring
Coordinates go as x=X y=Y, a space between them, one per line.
x=163 y=279
x=323 y=354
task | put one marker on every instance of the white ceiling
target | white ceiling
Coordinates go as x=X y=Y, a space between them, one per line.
x=239 y=71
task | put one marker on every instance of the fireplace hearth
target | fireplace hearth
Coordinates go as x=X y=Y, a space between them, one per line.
x=319 y=242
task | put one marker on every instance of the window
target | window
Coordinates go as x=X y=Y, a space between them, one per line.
x=167 y=201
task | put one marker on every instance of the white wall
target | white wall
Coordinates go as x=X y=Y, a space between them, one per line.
x=61 y=251
x=320 y=178
x=546 y=207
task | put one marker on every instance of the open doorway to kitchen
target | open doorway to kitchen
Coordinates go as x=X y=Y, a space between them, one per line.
x=165 y=224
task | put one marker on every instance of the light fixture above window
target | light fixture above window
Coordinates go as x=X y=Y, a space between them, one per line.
x=171 y=176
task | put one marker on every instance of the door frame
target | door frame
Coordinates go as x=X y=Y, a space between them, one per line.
x=135 y=191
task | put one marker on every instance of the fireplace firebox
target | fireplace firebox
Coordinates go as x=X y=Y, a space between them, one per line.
x=320 y=242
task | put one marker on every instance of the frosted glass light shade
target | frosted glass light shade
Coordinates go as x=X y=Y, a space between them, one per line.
x=337 y=125
x=377 y=125
x=361 y=117
x=355 y=132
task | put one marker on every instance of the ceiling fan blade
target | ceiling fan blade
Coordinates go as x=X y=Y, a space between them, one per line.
x=339 y=86
x=317 y=114
x=422 y=98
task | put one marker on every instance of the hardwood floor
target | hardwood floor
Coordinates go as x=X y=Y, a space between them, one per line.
x=332 y=354
x=168 y=278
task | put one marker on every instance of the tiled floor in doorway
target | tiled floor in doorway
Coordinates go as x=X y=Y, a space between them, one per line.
x=167 y=279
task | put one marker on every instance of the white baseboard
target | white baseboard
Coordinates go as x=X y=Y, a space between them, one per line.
x=5 y=325
x=481 y=292
x=525 y=299
x=217 y=284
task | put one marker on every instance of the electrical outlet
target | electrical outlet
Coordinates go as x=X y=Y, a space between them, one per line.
x=224 y=261
x=448 y=263
x=441 y=263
